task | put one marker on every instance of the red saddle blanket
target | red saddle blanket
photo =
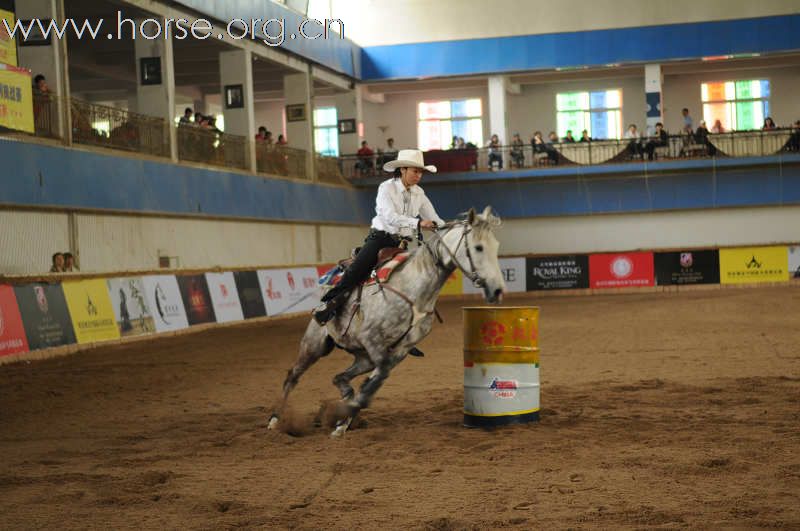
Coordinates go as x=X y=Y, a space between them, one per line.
x=381 y=274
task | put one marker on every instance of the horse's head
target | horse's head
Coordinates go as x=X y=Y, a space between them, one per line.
x=473 y=248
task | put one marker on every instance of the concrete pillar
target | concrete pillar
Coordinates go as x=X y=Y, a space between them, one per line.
x=236 y=84
x=157 y=99
x=50 y=60
x=652 y=89
x=498 y=119
x=349 y=107
x=298 y=92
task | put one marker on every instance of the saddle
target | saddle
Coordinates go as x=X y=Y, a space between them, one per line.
x=388 y=259
x=384 y=255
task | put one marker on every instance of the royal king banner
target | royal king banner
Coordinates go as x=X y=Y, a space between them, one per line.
x=16 y=98
x=90 y=308
x=747 y=265
x=8 y=47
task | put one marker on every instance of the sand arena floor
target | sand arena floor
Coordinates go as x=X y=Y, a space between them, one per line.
x=660 y=411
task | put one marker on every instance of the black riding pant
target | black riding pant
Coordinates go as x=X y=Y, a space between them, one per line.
x=363 y=263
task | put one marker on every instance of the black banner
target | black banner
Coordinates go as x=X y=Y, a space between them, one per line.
x=44 y=315
x=196 y=299
x=687 y=267
x=557 y=272
x=250 y=294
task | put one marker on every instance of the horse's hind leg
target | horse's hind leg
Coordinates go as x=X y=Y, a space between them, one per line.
x=361 y=365
x=316 y=344
x=364 y=396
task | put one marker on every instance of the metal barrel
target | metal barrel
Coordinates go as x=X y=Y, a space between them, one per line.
x=501 y=365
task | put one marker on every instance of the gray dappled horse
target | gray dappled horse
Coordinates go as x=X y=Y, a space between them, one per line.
x=396 y=315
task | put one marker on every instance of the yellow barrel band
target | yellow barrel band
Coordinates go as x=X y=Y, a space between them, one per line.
x=483 y=356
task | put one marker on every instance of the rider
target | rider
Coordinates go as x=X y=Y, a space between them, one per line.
x=399 y=203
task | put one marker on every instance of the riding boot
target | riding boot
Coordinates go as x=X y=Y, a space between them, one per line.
x=329 y=311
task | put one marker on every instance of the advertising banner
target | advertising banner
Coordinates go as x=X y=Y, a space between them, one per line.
x=794 y=262
x=224 y=297
x=289 y=290
x=16 y=98
x=90 y=310
x=745 y=265
x=557 y=272
x=12 y=333
x=131 y=310
x=454 y=284
x=8 y=47
x=45 y=316
x=249 y=294
x=164 y=300
x=196 y=299
x=513 y=270
x=621 y=270
x=687 y=267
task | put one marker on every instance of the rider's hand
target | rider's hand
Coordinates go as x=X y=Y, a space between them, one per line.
x=427 y=224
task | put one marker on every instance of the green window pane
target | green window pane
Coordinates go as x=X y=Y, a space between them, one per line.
x=572 y=101
x=745 y=90
x=574 y=121
x=749 y=115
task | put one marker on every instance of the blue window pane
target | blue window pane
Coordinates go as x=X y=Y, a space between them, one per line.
x=766 y=108
x=597 y=100
x=460 y=128
x=599 y=125
x=764 y=88
x=458 y=108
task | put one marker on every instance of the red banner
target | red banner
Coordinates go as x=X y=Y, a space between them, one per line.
x=12 y=333
x=621 y=270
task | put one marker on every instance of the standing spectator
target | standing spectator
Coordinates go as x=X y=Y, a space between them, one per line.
x=717 y=129
x=365 y=154
x=390 y=153
x=569 y=139
x=281 y=141
x=186 y=119
x=198 y=118
x=58 y=263
x=634 y=146
x=769 y=125
x=40 y=85
x=495 y=153
x=41 y=104
x=660 y=139
x=585 y=136
x=261 y=136
x=69 y=263
x=688 y=124
x=517 y=153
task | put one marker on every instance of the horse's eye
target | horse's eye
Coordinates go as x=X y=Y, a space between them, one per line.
x=479 y=248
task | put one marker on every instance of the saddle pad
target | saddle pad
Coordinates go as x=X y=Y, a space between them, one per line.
x=384 y=271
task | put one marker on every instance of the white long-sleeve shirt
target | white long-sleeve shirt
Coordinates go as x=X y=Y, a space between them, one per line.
x=397 y=208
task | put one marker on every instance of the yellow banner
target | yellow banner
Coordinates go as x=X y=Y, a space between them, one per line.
x=16 y=98
x=746 y=265
x=90 y=309
x=8 y=47
x=453 y=285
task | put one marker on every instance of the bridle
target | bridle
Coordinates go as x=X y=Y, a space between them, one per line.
x=472 y=273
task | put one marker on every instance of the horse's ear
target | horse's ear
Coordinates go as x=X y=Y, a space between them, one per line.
x=471 y=216
x=487 y=212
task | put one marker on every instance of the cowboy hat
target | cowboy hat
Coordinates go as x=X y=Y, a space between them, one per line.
x=408 y=158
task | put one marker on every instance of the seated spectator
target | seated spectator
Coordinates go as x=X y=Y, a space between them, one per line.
x=539 y=146
x=261 y=136
x=688 y=125
x=568 y=139
x=58 y=263
x=364 y=163
x=794 y=141
x=660 y=139
x=585 y=136
x=186 y=119
x=461 y=144
x=281 y=141
x=454 y=143
x=717 y=129
x=69 y=263
x=635 y=145
x=198 y=118
x=495 y=153
x=390 y=153
x=517 y=153
x=701 y=137
x=552 y=138
x=769 y=125
x=268 y=138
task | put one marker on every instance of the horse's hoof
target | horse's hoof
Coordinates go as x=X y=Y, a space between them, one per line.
x=338 y=432
x=273 y=422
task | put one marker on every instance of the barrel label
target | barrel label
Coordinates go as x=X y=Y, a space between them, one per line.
x=504 y=388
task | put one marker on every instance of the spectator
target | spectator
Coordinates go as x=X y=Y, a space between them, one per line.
x=717 y=129
x=40 y=87
x=585 y=136
x=186 y=119
x=495 y=153
x=539 y=146
x=569 y=139
x=461 y=144
x=198 y=118
x=701 y=137
x=281 y=141
x=262 y=134
x=268 y=138
x=634 y=146
x=364 y=164
x=69 y=262
x=58 y=263
x=794 y=140
x=688 y=124
x=41 y=103
x=390 y=153
x=552 y=138
x=454 y=143
x=517 y=153
x=660 y=140
x=769 y=125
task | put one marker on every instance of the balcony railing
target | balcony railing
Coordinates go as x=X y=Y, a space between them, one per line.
x=100 y=125
x=210 y=146
x=274 y=159
x=45 y=115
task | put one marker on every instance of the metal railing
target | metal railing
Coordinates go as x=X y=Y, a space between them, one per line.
x=111 y=127
x=45 y=115
x=210 y=146
x=276 y=159
x=329 y=170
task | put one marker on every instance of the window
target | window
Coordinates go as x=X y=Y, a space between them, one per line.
x=738 y=105
x=440 y=121
x=326 y=138
x=600 y=113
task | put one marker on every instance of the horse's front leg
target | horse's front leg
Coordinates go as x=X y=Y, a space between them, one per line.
x=364 y=396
